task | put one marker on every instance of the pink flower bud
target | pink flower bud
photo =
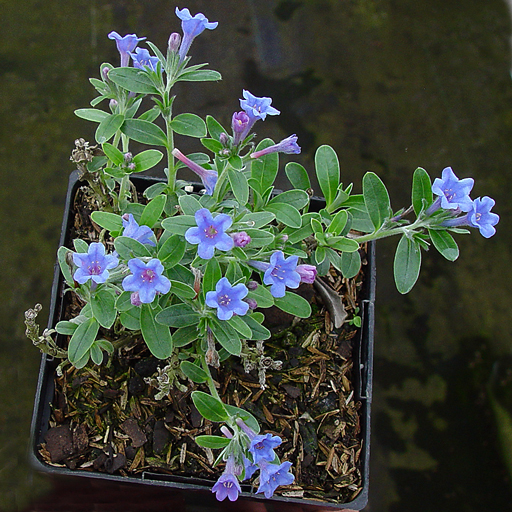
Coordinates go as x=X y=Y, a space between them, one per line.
x=241 y=239
x=307 y=273
x=174 y=42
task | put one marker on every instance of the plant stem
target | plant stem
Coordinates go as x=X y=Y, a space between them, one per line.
x=211 y=384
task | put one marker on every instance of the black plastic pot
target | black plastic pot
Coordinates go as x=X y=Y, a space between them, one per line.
x=197 y=490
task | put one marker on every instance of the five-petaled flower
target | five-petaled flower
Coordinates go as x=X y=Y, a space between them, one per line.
x=192 y=26
x=227 y=484
x=208 y=176
x=125 y=45
x=452 y=193
x=143 y=60
x=132 y=229
x=272 y=476
x=228 y=299
x=210 y=233
x=480 y=216
x=280 y=273
x=256 y=108
x=94 y=264
x=288 y=146
x=261 y=446
x=146 y=279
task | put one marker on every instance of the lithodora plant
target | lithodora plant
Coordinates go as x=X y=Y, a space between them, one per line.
x=190 y=272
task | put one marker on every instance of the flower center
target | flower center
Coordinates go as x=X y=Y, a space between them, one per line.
x=277 y=270
x=94 y=268
x=224 y=300
x=478 y=216
x=450 y=194
x=148 y=276
x=210 y=232
x=228 y=484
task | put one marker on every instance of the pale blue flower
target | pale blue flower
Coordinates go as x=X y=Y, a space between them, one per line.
x=288 y=146
x=208 y=176
x=146 y=279
x=227 y=484
x=132 y=229
x=210 y=233
x=94 y=264
x=272 y=476
x=280 y=273
x=227 y=299
x=453 y=193
x=125 y=45
x=480 y=216
x=262 y=447
x=143 y=60
x=256 y=108
x=192 y=26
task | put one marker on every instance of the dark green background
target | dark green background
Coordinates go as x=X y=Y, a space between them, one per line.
x=391 y=85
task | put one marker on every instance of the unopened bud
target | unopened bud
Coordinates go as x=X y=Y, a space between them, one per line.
x=132 y=166
x=252 y=303
x=224 y=139
x=104 y=73
x=252 y=285
x=113 y=104
x=174 y=42
x=128 y=157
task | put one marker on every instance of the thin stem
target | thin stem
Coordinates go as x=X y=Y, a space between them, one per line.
x=211 y=384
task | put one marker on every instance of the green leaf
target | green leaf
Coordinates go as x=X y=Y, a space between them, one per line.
x=179 y=224
x=212 y=274
x=123 y=301
x=147 y=159
x=226 y=335
x=108 y=128
x=259 y=237
x=338 y=223
x=215 y=129
x=107 y=220
x=350 y=264
x=129 y=248
x=259 y=332
x=240 y=326
x=144 y=132
x=245 y=416
x=184 y=335
x=444 y=243
x=96 y=354
x=239 y=186
x=297 y=175
x=376 y=199
x=64 y=266
x=343 y=244
x=209 y=407
x=103 y=307
x=80 y=245
x=82 y=340
x=212 y=144
x=295 y=198
x=262 y=296
x=182 y=290
x=200 y=75
x=189 y=204
x=178 y=315
x=66 y=328
x=264 y=170
x=152 y=211
x=92 y=114
x=194 y=372
x=131 y=319
x=258 y=219
x=421 y=190
x=213 y=442
x=189 y=124
x=113 y=154
x=133 y=80
x=286 y=214
x=172 y=251
x=155 y=190
x=328 y=172
x=407 y=264
x=157 y=336
x=294 y=304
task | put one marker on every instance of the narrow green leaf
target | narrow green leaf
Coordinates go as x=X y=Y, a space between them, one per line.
x=65 y=268
x=189 y=204
x=297 y=175
x=144 y=132
x=123 y=301
x=91 y=114
x=178 y=315
x=259 y=237
x=129 y=248
x=172 y=251
x=226 y=335
x=421 y=190
x=262 y=296
x=184 y=335
x=66 y=328
x=343 y=244
x=215 y=129
x=107 y=220
x=179 y=224
x=212 y=144
x=212 y=274
x=108 y=128
x=444 y=243
x=328 y=172
x=294 y=304
x=80 y=245
x=213 y=442
x=264 y=170
x=239 y=186
x=190 y=125
x=209 y=407
x=296 y=198
x=114 y=155
x=350 y=264
x=194 y=372
x=157 y=336
x=286 y=214
x=376 y=199
x=152 y=211
x=96 y=354
x=245 y=416
x=182 y=290
x=338 y=223
x=258 y=219
x=240 y=326
x=200 y=75
x=259 y=332
x=82 y=340
x=131 y=319
x=407 y=264
x=133 y=80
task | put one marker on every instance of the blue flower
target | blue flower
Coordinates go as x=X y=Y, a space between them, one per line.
x=453 y=193
x=250 y=468
x=192 y=26
x=288 y=146
x=262 y=447
x=227 y=484
x=94 y=264
x=143 y=60
x=125 y=45
x=272 y=476
x=257 y=108
x=228 y=299
x=208 y=176
x=140 y=233
x=210 y=233
x=280 y=273
x=482 y=218
x=147 y=279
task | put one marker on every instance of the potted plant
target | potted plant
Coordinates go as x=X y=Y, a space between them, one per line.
x=219 y=335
